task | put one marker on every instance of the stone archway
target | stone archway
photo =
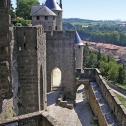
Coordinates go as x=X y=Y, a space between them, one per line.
x=81 y=94
x=56 y=77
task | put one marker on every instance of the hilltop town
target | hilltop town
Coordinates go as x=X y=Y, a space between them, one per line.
x=117 y=52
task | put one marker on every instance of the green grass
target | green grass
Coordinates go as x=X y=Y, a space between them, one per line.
x=121 y=86
x=122 y=99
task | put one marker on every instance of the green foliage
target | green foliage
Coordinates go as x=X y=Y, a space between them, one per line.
x=24 y=7
x=12 y=13
x=122 y=75
x=97 y=31
x=113 y=71
x=18 y=24
x=122 y=99
x=107 y=65
x=21 y=21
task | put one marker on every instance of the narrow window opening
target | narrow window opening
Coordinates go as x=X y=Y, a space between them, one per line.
x=53 y=18
x=24 y=41
x=24 y=46
x=56 y=28
x=38 y=17
x=46 y=17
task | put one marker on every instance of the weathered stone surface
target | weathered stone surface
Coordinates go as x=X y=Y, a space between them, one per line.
x=61 y=54
x=31 y=60
x=5 y=57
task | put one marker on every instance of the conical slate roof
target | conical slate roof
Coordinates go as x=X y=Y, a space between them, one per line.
x=41 y=10
x=78 y=40
x=52 y=4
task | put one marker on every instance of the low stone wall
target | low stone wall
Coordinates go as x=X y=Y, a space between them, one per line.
x=34 y=119
x=96 y=108
x=62 y=102
x=116 y=87
x=117 y=108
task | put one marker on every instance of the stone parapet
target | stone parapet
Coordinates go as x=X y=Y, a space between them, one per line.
x=117 y=108
x=32 y=119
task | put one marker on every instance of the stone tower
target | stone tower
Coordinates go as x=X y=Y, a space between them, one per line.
x=78 y=52
x=54 y=6
x=43 y=16
x=31 y=60
x=61 y=54
x=5 y=56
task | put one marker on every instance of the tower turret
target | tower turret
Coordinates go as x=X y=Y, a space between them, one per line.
x=52 y=5
x=61 y=4
x=78 y=51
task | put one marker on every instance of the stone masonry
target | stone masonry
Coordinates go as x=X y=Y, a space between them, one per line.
x=28 y=55
x=5 y=55
x=61 y=54
x=31 y=61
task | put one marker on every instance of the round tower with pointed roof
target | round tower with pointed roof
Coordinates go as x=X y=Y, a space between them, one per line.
x=54 y=6
x=78 y=52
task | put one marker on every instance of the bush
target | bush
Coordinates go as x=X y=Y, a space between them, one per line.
x=18 y=24
x=21 y=21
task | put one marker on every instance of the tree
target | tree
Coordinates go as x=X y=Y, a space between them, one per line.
x=11 y=12
x=122 y=75
x=113 y=71
x=24 y=7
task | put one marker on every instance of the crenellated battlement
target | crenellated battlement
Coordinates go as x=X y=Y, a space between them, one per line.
x=27 y=37
x=60 y=33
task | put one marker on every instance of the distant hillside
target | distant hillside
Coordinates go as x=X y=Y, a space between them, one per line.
x=77 y=20
x=113 y=32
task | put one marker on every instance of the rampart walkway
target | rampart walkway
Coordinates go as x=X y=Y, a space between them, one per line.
x=81 y=114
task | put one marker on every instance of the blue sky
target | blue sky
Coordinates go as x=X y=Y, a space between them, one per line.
x=93 y=9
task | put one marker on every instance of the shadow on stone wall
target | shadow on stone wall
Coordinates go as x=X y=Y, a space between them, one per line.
x=52 y=98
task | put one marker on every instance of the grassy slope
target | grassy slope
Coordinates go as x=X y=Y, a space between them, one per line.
x=122 y=99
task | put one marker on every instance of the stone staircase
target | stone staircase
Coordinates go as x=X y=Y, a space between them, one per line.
x=64 y=103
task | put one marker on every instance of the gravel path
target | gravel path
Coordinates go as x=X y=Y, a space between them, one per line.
x=81 y=114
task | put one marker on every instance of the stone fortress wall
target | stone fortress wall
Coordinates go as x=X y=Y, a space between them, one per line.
x=95 y=100
x=61 y=54
x=27 y=58
x=5 y=54
x=117 y=108
x=31 y=61
x=104 y=103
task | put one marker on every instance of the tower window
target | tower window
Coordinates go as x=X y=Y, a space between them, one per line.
x=46 y=17
x=53 y=18
x=38 y=17
x=58 y=13
x=56 y=28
